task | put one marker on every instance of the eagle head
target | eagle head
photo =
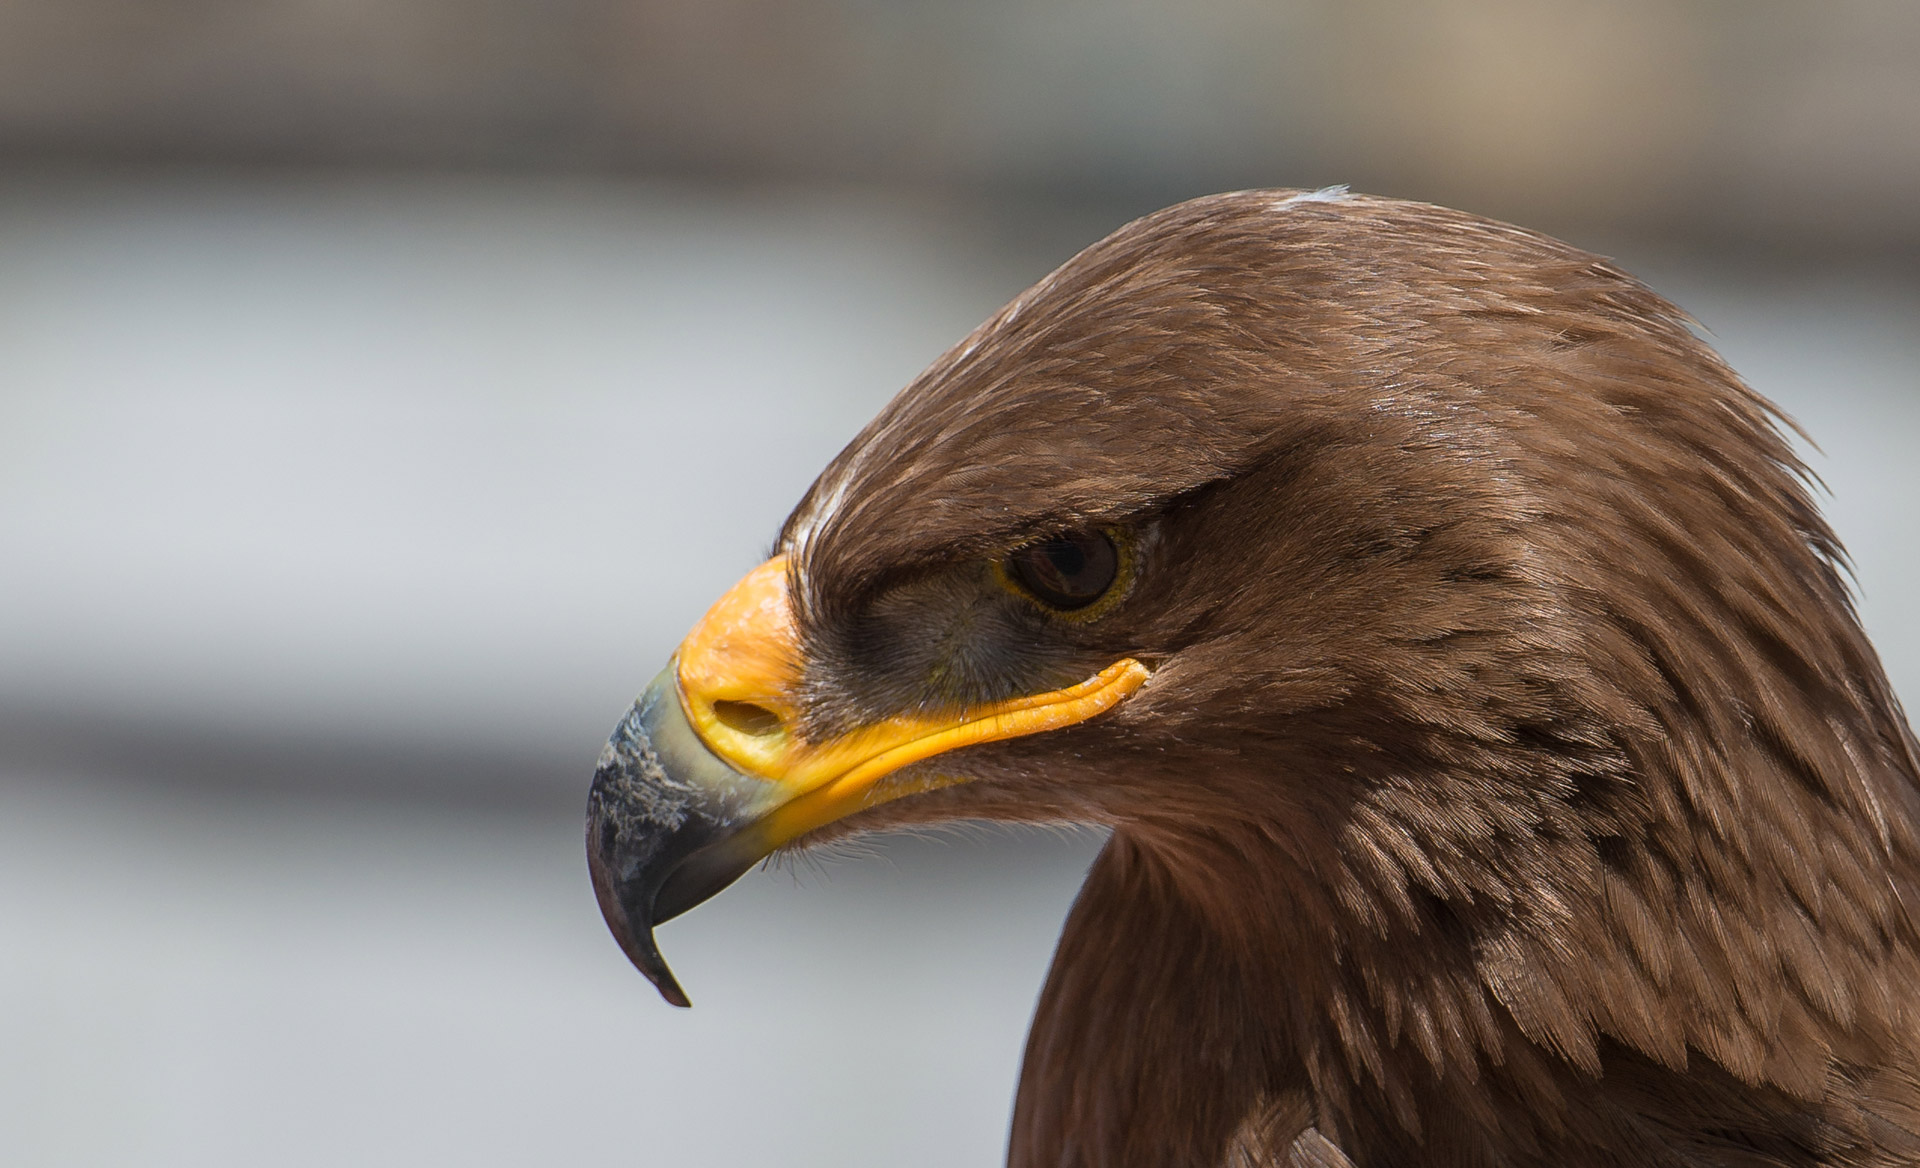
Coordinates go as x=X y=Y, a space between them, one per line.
x=1436 y=621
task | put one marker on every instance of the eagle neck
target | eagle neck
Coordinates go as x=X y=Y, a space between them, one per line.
x=1206 y=1010
x=1141 y=1052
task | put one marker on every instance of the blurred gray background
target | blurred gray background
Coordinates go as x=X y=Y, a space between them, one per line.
x=384 y=389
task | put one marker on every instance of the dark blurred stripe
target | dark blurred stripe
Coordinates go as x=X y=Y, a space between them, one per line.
x=1750 y=120
x=195 y=758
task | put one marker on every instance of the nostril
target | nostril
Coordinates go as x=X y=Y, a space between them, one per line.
x=747 y=718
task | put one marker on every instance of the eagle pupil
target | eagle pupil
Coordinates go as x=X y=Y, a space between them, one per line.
x=1069 y=572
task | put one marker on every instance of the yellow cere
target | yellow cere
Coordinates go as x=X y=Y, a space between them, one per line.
x=739 y=670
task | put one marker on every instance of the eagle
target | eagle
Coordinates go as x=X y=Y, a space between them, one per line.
x=1495 y=767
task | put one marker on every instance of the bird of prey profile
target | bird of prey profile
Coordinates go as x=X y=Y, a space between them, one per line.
x=1496 y=769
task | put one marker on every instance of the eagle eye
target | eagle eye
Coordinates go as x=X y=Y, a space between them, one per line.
x=1067 y=572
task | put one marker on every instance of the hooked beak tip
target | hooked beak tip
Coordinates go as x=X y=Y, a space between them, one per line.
x=629 y=919
x=669 y=825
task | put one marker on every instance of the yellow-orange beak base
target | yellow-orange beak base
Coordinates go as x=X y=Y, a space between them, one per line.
x=739 y=673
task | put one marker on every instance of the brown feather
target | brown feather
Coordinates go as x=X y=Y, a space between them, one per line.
x=1516 y=785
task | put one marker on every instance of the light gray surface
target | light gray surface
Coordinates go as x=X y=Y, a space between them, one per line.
x=454 y=463
x=196 y=983
x=278 y=454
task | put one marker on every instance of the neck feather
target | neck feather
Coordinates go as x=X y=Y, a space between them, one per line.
x=1140 y=1052
x=1168 y=1037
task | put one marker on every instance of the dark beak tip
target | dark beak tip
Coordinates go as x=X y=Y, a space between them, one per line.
x=630 y=929
x=644 y=952
x=671 y=991
x=645 y=955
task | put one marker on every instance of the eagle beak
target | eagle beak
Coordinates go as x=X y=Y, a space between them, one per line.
x=709 y=773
